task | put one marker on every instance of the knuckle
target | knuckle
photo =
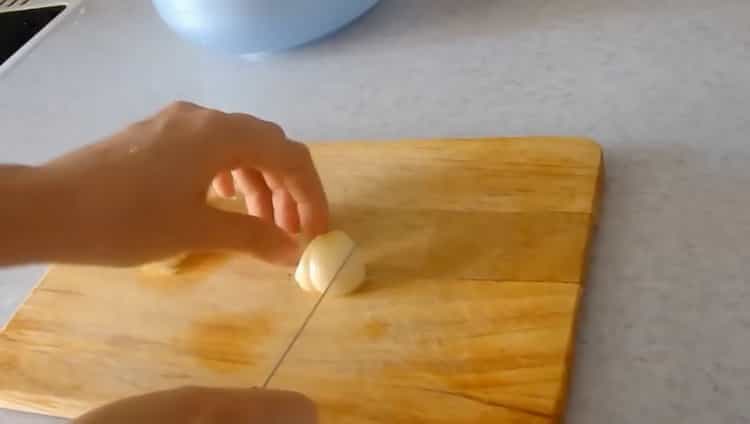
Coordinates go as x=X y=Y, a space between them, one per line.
x=273 y=130
x=180 y=106
x=301 y=154
x=190 y=124
x=172 y=117
x=208 y=118
x=140 y=126
x=304 y=151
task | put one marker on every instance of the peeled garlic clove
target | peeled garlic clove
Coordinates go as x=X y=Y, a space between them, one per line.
x=302 y=274
x=351 y=276
x=326 y=256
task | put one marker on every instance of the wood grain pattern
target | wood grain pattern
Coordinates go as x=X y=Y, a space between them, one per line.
x=436 y=351
x=476 y=252
x=90 y=335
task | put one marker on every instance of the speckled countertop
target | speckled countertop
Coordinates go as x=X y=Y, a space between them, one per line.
x=663 y=85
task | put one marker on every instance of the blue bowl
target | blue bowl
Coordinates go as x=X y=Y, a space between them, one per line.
x=258 y=26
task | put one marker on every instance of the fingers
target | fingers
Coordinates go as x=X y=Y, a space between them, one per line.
x=226 y=230
x=285 y=211
x=250 y=143
x=207 y=405
x=257 y=194
x=223 y=184
x=299 y=179
x=276 y=206
x=240 y=141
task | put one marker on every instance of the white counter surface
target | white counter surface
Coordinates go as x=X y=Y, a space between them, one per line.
x=663 y=85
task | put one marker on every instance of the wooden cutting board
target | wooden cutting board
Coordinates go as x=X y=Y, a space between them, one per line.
x=476 y=250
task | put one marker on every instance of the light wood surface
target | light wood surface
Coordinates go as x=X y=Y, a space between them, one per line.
x=476 y=253
x=444 y=351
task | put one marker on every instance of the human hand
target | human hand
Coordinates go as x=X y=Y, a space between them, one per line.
x=140 y=195
x=207 y=406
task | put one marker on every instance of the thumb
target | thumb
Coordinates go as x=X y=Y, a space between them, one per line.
x=279 y=407
x=207 y=405
x=235 y=231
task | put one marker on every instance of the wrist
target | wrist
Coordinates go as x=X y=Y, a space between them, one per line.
x=30 y=215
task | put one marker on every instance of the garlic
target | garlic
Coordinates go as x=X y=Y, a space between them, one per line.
x=324 y=257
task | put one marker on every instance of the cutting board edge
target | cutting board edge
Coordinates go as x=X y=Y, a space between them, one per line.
x=37 y=284
x=561 y=405
x=52 y=411
x=562 y=400
x=427 y=140
x=593 y=219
